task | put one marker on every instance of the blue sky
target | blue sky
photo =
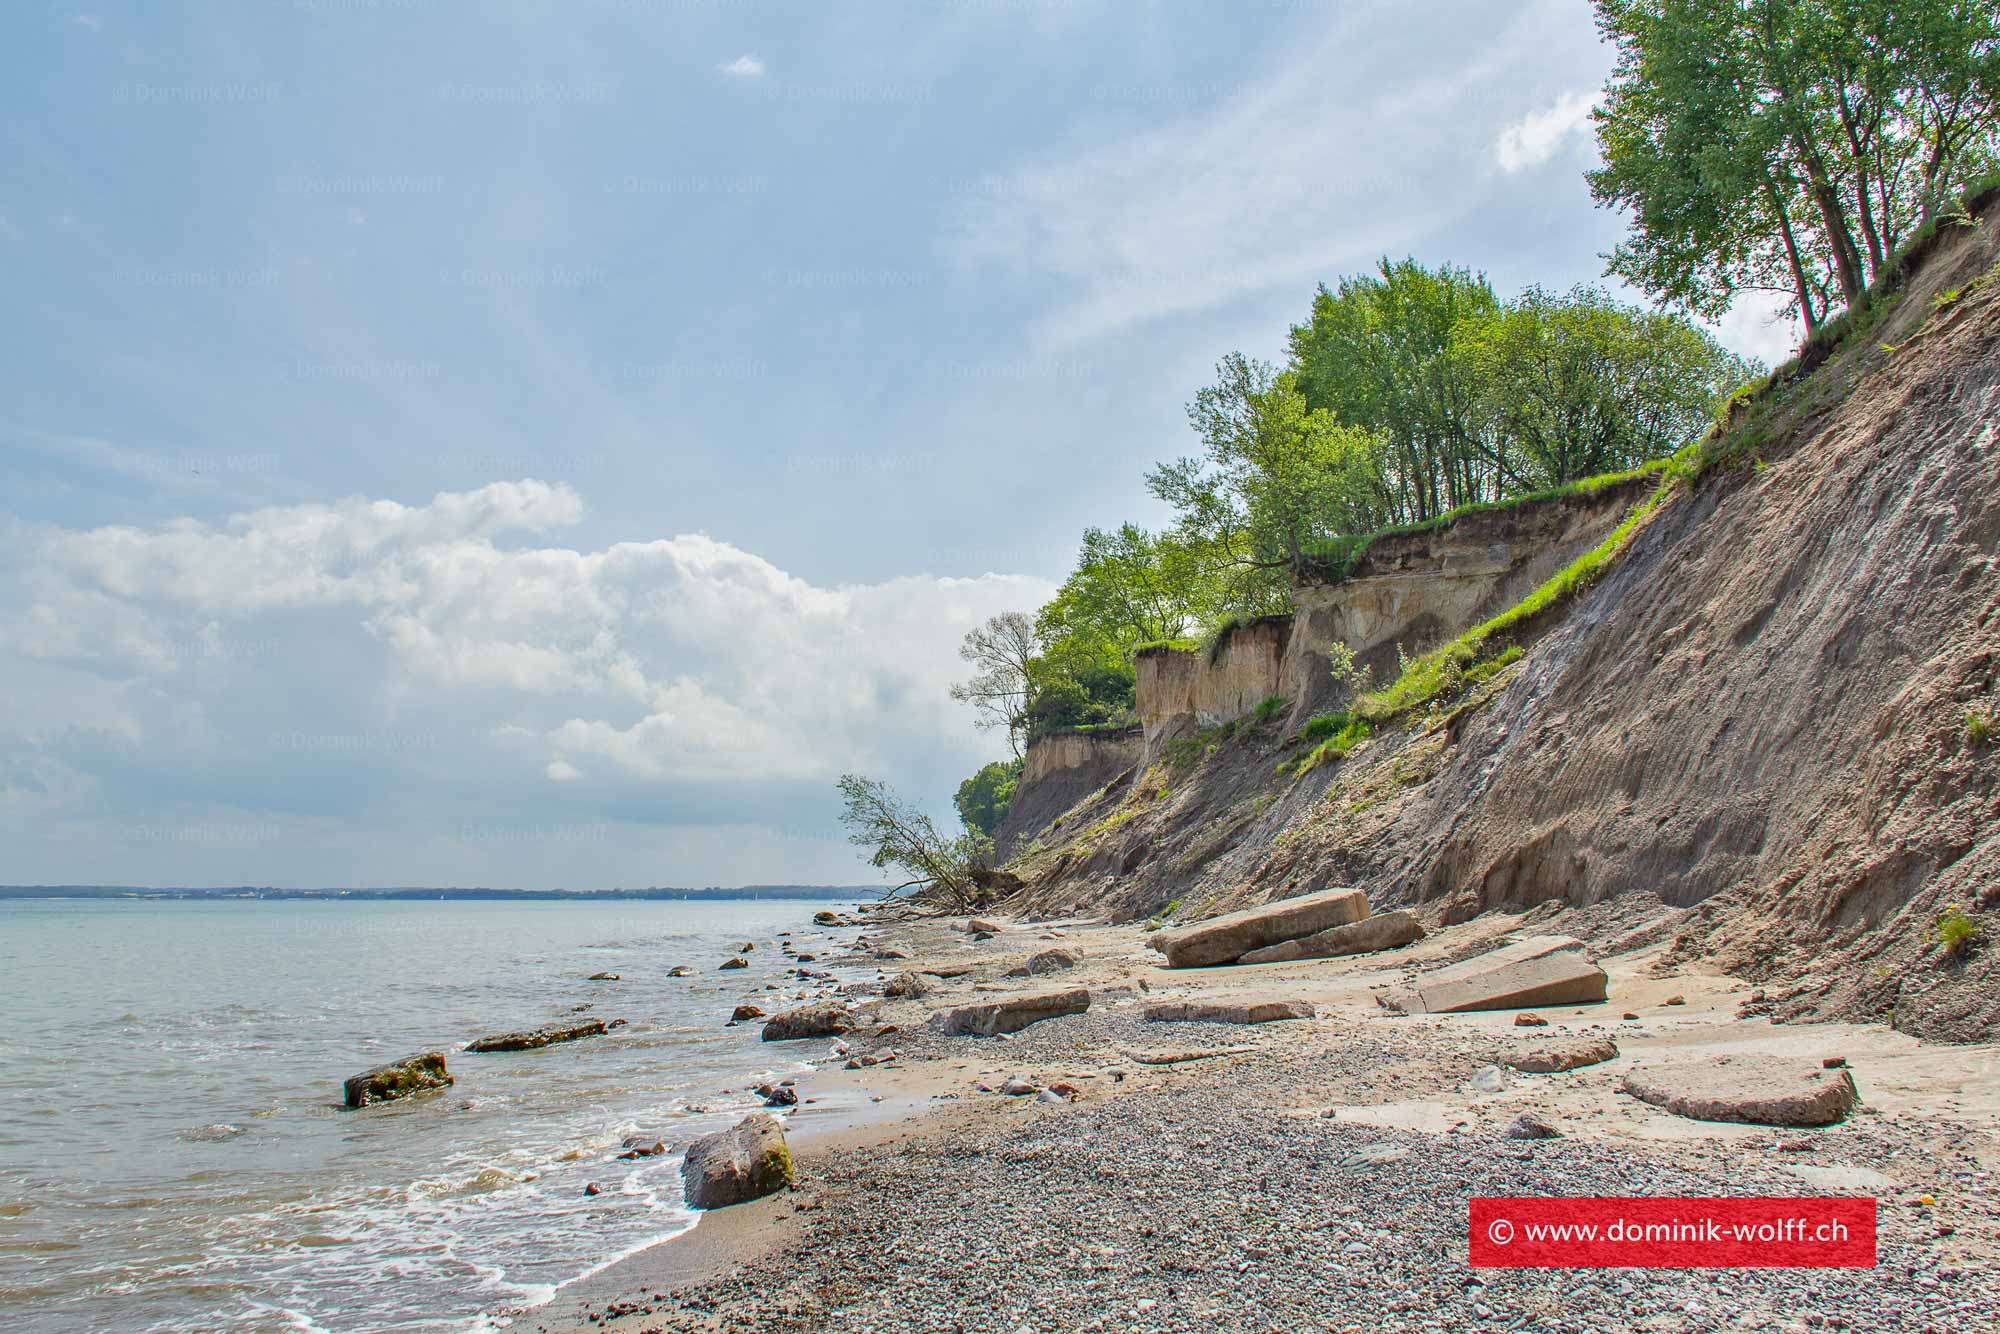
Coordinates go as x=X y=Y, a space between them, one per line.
x=546 y=443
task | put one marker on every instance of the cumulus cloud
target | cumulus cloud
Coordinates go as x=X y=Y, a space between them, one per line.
x=368 y=660
x=1540 y=135
x=745 y=66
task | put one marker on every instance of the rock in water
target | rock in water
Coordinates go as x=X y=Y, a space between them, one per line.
x=1048 y=961
x=680 y=970
x=826 y=917
x=602 y=977
x=778 y=1095
x=1227 y=1012
x=1383 y=931
x=746 y=1011
x=808 y=1021
x=749 y=1160
x=1229 y=937
x=1760 y=1091
x=1544 y=1058
x=1010 y=1014
x=398 y=1079
x=738 y=962
x=1541 y=970
x=539 y=1037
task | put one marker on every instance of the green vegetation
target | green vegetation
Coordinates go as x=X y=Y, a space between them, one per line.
x=1958 y=931
x=1789 y=146
x=941 y=871
x=1270 y=707
x=1978 y=727
x=982 y=799
x=1815 y=150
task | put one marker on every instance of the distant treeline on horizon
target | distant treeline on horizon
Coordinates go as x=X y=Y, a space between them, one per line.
x=422 y=892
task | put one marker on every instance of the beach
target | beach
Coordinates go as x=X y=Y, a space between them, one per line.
x=1308 y=1174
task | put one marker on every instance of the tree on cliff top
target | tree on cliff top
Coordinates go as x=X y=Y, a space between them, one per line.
x=1789 y=145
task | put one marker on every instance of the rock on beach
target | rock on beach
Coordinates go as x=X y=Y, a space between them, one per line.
x=748 y=1160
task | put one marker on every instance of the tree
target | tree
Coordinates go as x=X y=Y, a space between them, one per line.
x=1581 y=385
x=1001 y=653
x=1275 y=476
x=940 y=869
x=982 y=799
x=1789 y=145
x=1377 y=353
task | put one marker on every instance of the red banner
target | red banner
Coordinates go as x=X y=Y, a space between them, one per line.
x=1673 y=1232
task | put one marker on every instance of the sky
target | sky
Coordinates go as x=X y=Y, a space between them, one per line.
x=547 y=443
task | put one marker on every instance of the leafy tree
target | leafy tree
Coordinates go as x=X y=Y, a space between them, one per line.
x=1789 y=145
x=1275 y=476
x=1002 y=653
x=982 y=799
x=940 y=869
x=1377 y=353
x=1580 y=385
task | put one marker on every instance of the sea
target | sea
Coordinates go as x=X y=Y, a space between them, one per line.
x=173 y=1153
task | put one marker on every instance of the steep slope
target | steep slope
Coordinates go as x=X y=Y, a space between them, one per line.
x=1759 y=716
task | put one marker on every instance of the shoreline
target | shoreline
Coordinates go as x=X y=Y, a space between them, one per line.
x=955 y=1194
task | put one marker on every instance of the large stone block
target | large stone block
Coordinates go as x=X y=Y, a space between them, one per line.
x=1261 y=1011
x=1541 y=970
x=545 y=1036
x=1757 y=1090
x=1012 y=1013
x=1384 y=931
x=1229 y=937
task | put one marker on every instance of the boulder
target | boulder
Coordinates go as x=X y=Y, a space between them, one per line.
x=825 y=917
x=1229 y=937
x=602 y=977
x=1383 y=931
x=1048 y=961
x=547 y=1035
x=1757 y=1090
x=738 y=962
x=1530 y=1126
x=984 y=925
x=909 y=985
x=1541 y=970
x=398 y=1079
x=1227 y=1012
x=1544 y=1058
x=746 y=1011
x=1010 y=1014
x=749 y=1160
x=778 y=1095
x=680 y=970
x=819 y=1020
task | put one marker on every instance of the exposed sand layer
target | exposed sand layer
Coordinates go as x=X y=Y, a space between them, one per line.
x=1307 y=1174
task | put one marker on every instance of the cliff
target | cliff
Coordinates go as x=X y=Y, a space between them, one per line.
x=1059 y=770
x=1760 y=730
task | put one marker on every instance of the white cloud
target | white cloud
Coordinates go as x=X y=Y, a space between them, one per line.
x=380 y=654
x=745 y=66
x=1761 y=325
x=1540 y=135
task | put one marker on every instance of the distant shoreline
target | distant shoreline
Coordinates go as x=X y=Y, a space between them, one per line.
x=711 y=893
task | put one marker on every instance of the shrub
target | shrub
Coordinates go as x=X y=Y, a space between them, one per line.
x=1978 y=727
x=1957 y=930
x=1270 y=707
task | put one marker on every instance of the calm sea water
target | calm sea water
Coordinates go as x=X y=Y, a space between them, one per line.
x=173 y=1158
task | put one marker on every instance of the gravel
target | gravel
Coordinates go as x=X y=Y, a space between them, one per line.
x=1218 y=1197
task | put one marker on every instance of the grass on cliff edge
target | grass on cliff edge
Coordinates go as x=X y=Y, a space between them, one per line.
x=1481 y=652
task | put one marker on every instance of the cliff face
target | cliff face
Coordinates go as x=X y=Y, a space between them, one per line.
x=1760 y=723
x=1058 y=771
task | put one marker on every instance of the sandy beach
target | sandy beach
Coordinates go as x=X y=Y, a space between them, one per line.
x=1309 y=1174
